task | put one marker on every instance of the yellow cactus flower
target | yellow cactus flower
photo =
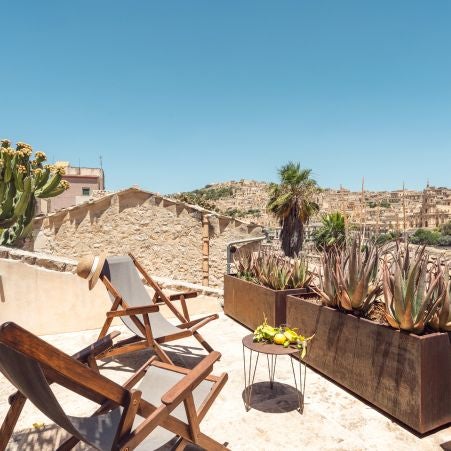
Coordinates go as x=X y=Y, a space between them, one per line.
x=65 y=184
x=21 y=145
x=40 y=156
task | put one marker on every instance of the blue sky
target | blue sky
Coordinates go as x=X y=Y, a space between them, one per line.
x=175 y=95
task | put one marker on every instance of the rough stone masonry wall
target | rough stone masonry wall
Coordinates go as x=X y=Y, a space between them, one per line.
x=165 y=235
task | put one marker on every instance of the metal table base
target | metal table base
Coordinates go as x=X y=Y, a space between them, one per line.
x=272 y=352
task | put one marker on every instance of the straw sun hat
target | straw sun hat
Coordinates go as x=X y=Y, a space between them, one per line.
x=90 y=267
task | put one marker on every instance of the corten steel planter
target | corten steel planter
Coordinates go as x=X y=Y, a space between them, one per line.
x=249 y=303
x=406 y=375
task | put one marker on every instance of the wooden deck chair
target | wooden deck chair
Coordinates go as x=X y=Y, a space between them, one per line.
x=140 y=313
x=160 y=401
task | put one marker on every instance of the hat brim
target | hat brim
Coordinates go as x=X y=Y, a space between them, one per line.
x=95 y=277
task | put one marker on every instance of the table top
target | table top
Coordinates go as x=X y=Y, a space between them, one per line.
x=268 y=348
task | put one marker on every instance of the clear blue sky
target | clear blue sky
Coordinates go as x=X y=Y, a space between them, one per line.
x=178 y=94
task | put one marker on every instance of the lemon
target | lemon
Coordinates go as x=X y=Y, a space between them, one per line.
x=279 y=339
x=291 y=336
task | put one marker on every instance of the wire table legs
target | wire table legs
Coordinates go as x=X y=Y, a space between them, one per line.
x=301 y=391
x=249 y=376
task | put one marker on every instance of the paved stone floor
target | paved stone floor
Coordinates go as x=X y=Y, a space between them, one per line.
x=333 y=419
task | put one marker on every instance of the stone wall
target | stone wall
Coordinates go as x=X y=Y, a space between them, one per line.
x=164 y=234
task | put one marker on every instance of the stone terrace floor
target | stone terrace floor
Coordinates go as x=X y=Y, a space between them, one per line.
x=333 y=419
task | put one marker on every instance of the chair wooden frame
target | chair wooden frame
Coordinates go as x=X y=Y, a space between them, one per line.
x=76 y=374
x=120 y=308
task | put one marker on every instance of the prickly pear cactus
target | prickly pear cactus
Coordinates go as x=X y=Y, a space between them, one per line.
x=22 y=180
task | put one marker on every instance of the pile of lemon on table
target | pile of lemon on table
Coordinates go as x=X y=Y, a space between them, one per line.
x=282 y=335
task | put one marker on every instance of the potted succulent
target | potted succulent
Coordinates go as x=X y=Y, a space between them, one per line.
x=395 y=366
x=261 y=285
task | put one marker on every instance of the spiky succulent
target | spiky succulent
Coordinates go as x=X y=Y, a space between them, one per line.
x=441 y=320
x=272 y=270
x=328 y=286
x=349 y=277
x=22 y=180
x=411 y=289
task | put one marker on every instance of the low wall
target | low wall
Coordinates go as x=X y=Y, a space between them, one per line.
x=44 y=295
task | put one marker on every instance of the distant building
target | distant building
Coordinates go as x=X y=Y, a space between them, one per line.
x=85 y=183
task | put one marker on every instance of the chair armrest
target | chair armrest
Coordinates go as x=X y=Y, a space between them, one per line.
x=188 y=383
x=188 y=294
x=133 y=311
x=96 y=348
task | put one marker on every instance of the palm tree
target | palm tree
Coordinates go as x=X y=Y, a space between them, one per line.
x=292 y=202
x=332 y=233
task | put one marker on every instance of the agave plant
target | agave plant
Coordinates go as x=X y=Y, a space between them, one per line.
x=244 y=265
x=441 y=320
x=328 y=289
x=357 y=277
x=273 y=271
x=411 y=290
x=350 y=277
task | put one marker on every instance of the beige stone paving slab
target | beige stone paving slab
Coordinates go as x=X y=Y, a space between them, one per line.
x=333 y=418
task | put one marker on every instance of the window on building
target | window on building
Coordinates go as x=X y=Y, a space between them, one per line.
x=86 y=191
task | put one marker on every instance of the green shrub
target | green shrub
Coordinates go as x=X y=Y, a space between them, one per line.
x=386 y=237
x=445 y=229
x=444 y=240
x=424 y=236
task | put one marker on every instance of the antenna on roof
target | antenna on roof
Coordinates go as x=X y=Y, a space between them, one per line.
x=101 y=161
x=404 y=211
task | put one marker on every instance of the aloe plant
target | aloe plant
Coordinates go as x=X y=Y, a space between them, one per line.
x=22 y=180
x=350 y=278
x=244 y=265
x=411 y=290
x=441 y=320
x=272 y=270
x=328 y=288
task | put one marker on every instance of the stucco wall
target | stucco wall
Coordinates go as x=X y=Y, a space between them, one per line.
x=165 y=235
x=47 y=301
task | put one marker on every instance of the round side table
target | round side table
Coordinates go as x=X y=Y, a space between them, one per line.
x=272 y=351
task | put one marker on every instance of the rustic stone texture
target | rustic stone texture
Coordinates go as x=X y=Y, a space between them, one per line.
x=46 y=261
x=163 y=234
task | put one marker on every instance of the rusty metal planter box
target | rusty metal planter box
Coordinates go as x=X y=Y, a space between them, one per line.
x=406 y=375
x=248 y=302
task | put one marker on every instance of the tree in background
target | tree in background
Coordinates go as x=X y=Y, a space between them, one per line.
x=332 y=233
x=292 y=201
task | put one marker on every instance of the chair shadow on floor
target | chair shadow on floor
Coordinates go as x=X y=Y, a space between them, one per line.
x=50 y=437
x=182 y=355
x=281 y=398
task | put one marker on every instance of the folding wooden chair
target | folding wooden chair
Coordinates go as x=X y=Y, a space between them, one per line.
x=140 y=313
x=158 y=402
